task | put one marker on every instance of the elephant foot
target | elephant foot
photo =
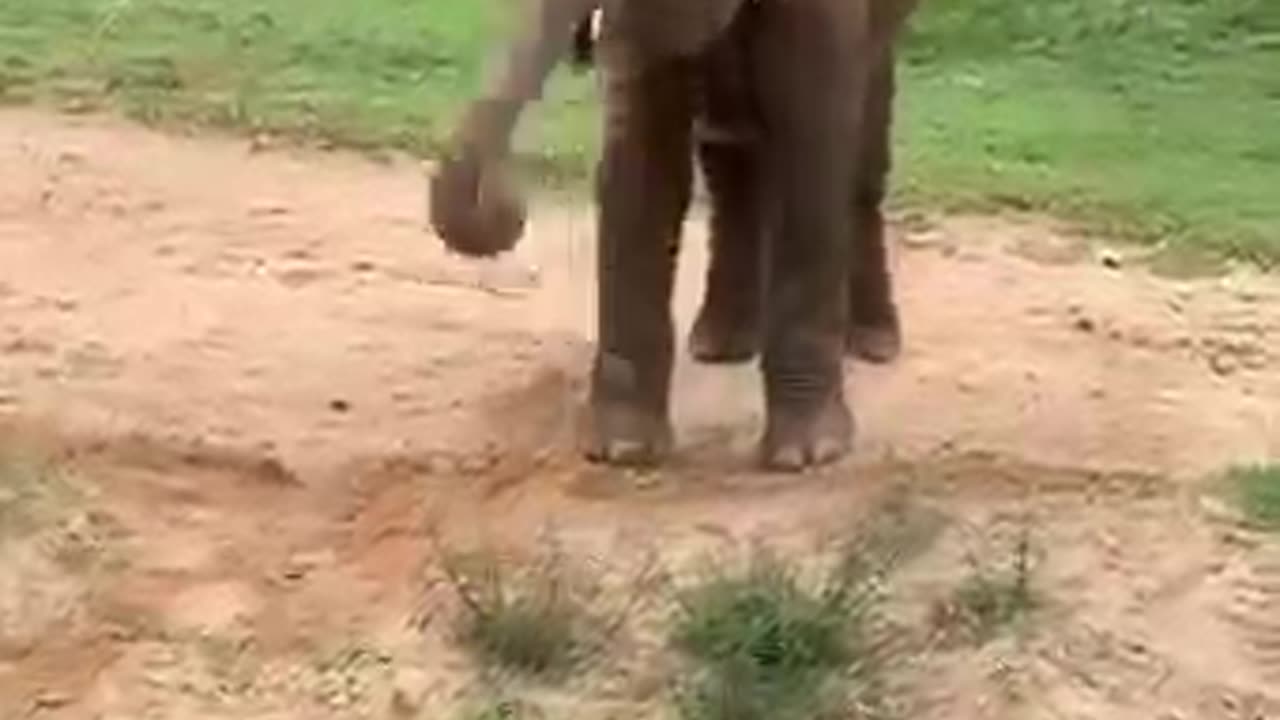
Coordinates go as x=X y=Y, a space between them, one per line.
x=795 y=441
x=626 y=436
x=714 y=341
x=875 y=341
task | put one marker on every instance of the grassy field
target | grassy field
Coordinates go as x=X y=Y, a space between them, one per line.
x=1150 y=119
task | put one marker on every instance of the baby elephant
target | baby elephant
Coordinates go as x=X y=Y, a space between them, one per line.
x=798 y=274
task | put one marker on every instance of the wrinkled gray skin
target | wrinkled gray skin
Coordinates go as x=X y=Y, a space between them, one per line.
x=810 y=65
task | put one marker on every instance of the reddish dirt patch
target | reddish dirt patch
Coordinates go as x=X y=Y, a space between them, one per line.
x=279 y=389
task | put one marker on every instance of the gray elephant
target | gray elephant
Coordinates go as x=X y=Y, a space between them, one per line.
x=809 y=69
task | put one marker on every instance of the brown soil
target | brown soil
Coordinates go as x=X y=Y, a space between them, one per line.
x=272 y=395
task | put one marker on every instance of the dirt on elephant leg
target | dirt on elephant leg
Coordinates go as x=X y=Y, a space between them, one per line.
x=796 y=439
x=625 y=428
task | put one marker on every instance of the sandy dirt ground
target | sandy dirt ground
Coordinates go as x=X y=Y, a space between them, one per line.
x=271 y=398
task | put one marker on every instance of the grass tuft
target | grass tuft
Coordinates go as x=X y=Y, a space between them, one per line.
x=526 y=620
x=988 y=602
x=767 y=645
x=765 y=616
x=1257 y=489
x=767 y=641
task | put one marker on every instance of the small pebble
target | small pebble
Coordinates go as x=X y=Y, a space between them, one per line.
x=51 y=700
x=71 y=156
x=1223 y=364
x=441 y=465
x=268 y=207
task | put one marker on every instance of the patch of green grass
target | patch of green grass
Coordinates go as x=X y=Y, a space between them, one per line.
x=1257 y=488
x=765 y=645
x=764 y=615
x=1143 y=118
x=766 y=640
x=374 y=74
x=988 y=602
x=738 y=689
x=526 y=620
x=1147 y=119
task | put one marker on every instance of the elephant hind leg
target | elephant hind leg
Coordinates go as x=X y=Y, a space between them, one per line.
x=644 y=184
x=874 y=333
x=727 y=129
x=728 y=325
x=727 y=329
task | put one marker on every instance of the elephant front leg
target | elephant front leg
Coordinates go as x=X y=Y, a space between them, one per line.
x=875 y=331
x=812 y=79
x=644 y=186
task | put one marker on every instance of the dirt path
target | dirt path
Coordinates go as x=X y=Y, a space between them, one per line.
x=269 y=382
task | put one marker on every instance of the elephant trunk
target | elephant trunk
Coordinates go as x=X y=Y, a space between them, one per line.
x=544 y=38
x=474 y=205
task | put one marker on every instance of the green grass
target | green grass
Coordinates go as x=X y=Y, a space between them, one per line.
x=381 y=73
x=767 y=640
x=1148 y=119
x=764 y=645
x=1257 y=488
x=526 y=620
x=989 y=601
